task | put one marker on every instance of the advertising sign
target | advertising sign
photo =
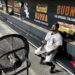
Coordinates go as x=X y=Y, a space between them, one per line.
x=10 y=2
x=17 y=10
x=67 y=28
x=2 y=1
x=4 y=9
x=0 y=4
x=1 y=7
x=9 y=9
x=41 y=14
x=16 y=6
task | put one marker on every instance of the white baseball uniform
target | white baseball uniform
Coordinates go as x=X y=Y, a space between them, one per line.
x=52 y=41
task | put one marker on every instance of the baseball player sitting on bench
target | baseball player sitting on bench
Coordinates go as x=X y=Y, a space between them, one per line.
x=52 y=42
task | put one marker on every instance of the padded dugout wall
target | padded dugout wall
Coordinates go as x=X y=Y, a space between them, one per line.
x=45 y=13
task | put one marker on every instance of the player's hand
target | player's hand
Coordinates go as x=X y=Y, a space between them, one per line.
x=41 y=48
x=44 y=41
x=47 y=53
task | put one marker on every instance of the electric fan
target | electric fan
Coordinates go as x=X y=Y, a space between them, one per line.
x=14 y=51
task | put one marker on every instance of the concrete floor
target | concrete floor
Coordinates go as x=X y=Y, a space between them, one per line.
x=36 y=68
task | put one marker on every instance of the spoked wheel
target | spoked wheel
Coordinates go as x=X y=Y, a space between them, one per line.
x=14 y=50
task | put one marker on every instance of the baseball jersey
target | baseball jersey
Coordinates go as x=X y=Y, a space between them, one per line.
x=53 y=40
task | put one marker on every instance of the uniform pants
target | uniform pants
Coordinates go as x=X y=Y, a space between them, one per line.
x=48 y=58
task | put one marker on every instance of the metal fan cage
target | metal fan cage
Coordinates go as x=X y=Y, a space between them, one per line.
x=16 y=47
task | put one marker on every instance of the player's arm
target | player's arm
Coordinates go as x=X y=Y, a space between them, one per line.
x=43 y=43
x=55 y=48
